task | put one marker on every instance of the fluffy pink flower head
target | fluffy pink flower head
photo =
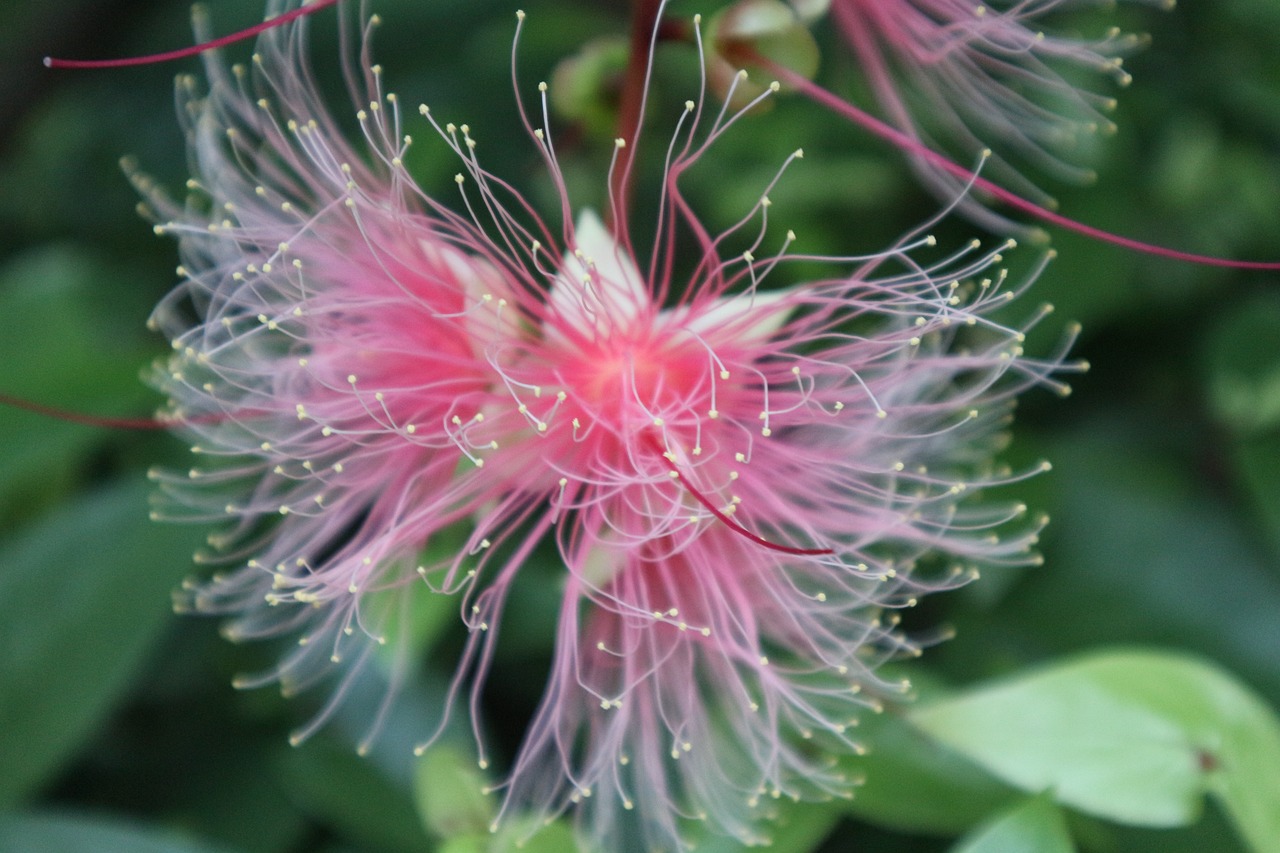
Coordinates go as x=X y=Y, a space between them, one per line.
x=740 y=478
x=968 y=77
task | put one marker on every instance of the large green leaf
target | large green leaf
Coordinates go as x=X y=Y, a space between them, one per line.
x=1034 y=826
x=59 y=833
x=517 y=837
x=60 y=349
x=452 y=793
x=1242 y=359
x=797 y=827
x=1243 y=362
x=84 y=595
x=338 y=788
x=1133 y=736
x=914 y=784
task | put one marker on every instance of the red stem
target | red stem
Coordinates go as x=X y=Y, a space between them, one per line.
x=193 y=50
x=724 y=519
x=79 y=417
x=644 y=19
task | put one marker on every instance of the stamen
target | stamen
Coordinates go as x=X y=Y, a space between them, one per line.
x=182 y=53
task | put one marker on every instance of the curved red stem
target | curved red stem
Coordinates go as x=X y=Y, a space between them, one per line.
x=79 y=417
x=724 y=519
x=193 y=50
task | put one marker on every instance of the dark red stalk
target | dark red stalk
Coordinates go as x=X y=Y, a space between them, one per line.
x=195 y=49
x=644 y=20
x=724 y=519
x=79 y=417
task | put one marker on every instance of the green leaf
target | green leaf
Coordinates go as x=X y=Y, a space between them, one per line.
x=337 y=787
x=798 y=827
x=63 y=351
x=57 y=833
x=1034 y=826
x=416 y=614
x=1257 y=467
x=454 y=804
x=751 y=29
x=584 y=88
x=1243 y=356
x=517 y=836
x=452 y=793
x=802 y=827
x=1137 y=737
x=84 y=595
x=912 y=784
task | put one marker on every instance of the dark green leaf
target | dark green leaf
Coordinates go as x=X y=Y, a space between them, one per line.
x=54 y=833
x=83 y=597
x=338 y=788
x=1257 y=467
x=1034 y=826
x=915 y=784
x=1138 y=551
x=1243 y=356
x=61 y=353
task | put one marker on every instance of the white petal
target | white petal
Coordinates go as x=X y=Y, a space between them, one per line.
x=753 y=316
x=599 y=286
x=488 y=319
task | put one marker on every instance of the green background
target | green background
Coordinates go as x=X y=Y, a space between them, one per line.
x=118 y=727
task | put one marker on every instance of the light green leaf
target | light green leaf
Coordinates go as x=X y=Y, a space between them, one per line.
x=454 y=804
x=84 y=595
x=584 y=88
x=1034 y=826
x=56 y=833
x=797 y=828
x=1134 y=736
x=748 y=29
x=451 y=793
x=517 y=836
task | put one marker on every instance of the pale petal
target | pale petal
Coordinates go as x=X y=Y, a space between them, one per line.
x=752 y=317
x=599 y=286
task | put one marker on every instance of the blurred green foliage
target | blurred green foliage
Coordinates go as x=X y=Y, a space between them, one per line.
x=118 y=728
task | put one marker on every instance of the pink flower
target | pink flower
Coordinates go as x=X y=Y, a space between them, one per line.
x=965 y=77
x=740 y=478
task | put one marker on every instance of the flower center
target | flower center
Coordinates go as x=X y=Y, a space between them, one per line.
x=629 y=384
